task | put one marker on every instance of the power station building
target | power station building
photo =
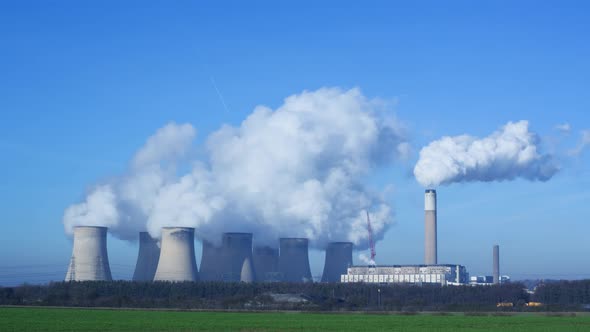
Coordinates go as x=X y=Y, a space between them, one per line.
x=235 y=259
x=408 y=274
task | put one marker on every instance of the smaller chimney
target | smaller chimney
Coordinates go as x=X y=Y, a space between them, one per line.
x=496 y=264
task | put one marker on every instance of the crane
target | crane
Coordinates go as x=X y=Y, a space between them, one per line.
x=371 y=243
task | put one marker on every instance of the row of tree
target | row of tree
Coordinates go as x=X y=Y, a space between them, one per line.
x=566 y=295
x=263 y=296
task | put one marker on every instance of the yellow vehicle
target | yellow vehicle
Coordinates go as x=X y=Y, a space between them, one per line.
x=534 y=304
x=505 y=305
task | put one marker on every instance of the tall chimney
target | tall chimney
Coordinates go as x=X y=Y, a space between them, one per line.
x=147 y=259
x=177 y=255
x=430 y=250
x=338 y=260
x=294 y=259
x=90 y=260
x=496 y=264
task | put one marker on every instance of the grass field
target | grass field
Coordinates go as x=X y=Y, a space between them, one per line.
x=55 y=319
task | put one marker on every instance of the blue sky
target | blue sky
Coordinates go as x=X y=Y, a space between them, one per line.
x=83 y=85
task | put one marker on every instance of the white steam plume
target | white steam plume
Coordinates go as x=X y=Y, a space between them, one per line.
x=296 y=171
x=99 y=209
x=291 y=172
x=125 y=202
x=509 y=153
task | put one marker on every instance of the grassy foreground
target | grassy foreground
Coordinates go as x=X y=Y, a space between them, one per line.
x=56 y=319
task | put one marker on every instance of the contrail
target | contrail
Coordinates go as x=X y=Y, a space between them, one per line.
x=219 y=94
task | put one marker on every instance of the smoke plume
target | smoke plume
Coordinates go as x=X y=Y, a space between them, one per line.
x=295 y=171
x=509 y=153
x=124 y=203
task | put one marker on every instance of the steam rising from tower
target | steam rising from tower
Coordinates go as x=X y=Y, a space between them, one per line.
x=90 y=260
x=430 y=249
x=177 y=255
x=147 y=259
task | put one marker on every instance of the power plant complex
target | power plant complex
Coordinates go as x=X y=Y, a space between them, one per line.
x=172 y=258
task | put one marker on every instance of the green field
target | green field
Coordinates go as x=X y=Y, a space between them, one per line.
x=56 y=319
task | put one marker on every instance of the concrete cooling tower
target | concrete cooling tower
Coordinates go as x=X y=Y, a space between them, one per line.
x=211 y=269
x=266 y=263
x=90 y=260
x=247 y=272
x=177 y=255
x=236 y=249
x=338 y=260
x=496 y=262
x=147 y=259
x=430 y=250
x=294 y=260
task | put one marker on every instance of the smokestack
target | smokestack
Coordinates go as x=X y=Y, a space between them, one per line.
x=430 y=250
x=338 y=259
x=147 y=259
x=266 y=263
x=211 y=269
x=496 y=264
x=236 y=248
x=177 y=255
x=90 y=260
x=294 y=259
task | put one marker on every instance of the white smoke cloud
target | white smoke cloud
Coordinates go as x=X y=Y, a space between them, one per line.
x=125 y=202
x=291 y=172
x=296 y=171
x=582 y=145
x=99 y=209
x=509 y=153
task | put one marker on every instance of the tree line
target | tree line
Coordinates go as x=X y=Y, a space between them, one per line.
x=264 y=296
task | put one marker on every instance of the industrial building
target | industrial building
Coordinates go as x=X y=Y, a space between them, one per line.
x=408 y=274
x=90 y=260
x=235 y=259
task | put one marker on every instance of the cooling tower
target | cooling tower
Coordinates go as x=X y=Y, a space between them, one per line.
x=90 y=260
x=177 y=255
x=338 y=260
x=430 y=251
x=236 y=248
x=247 y=272
x=266 y=263
x=211 y=269
x=496 y=264
x=147 y=259
x=294 y=260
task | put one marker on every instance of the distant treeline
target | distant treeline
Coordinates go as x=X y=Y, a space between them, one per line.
x=565 y=295
x=262 y=296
